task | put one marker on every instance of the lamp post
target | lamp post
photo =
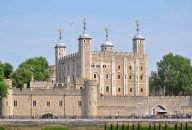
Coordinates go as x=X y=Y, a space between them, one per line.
x=165 y=81
x=9 y=111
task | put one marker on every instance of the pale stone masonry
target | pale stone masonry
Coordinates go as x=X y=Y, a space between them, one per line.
x=93 y=83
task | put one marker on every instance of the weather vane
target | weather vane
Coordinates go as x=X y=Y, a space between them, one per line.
x=137 y=22
x=84 y=23
x=60 y=31
x=106 y=31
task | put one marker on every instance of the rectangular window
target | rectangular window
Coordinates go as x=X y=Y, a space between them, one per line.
x=97 y=66
x=15 y=103
x=89 y=102
x=79 y=103
x=48 y=103
x=34 y=103
x=60 y=103
x=6 y=103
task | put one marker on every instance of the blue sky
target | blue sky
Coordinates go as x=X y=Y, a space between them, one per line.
x=30 y=28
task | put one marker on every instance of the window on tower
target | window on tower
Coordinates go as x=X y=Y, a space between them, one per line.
x=107 y=76
x=130 y=89
x=119 y=76
x=95 y=76
x=107 y=89
x=141 y=89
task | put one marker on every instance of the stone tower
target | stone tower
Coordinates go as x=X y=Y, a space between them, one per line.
x=60 y=51
x=140 y=65
x=85 y=53
x=90 y=99
x=138 y=42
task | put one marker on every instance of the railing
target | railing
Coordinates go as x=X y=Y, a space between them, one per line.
x=178 y=116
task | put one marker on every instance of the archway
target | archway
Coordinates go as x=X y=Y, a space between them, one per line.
x=159 y=110
x=48 y=116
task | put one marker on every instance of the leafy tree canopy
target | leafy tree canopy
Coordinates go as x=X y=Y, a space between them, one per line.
x=3 y=89
x=37 y=67
x=173 y=77
x=1 y=73
x=5 y=72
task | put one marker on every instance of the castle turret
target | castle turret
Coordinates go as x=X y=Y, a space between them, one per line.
x=60 y=51
x=138 y=42
x=107 y=44
x=90 y=99
x=6 y=106
x=85 y=53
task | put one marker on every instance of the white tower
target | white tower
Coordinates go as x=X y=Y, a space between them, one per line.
x=60 y=51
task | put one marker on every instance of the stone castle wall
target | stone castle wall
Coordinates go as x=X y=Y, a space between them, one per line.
x=113 y=106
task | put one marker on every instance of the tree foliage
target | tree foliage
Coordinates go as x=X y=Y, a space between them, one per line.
x=37 y=67
x=174 y=76
x=3 y=89
x=5 y=72
x=8 y=69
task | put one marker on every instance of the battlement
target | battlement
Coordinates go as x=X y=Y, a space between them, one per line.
x=69 y=56
x=112 y=53
x=170 y=97
x=41 y=84
x=144 y=98
x=48 y=91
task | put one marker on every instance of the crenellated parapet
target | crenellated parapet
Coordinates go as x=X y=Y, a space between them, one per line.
x=108 y=53
x=69 y=56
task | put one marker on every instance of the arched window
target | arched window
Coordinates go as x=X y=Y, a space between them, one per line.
x=129 y=76
x=95 y=76
x=107 y=89
x=141 y=68
x=118 y=67
x=119 y=76
x=107 y=76
x=119 y=89
x=141 y=77
x=130 y=89
x=141 y=89
x=130 y=67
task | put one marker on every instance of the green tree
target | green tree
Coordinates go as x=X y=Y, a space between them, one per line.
x=1 y=73
x=8 y=69
x=37 y=67
x=174 y=75
x=3 y=89
x=3 y=86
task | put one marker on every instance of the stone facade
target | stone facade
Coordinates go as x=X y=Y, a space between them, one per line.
x=93 y=83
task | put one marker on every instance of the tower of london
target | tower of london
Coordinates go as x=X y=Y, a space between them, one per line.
x=116 y=73
x=88 y=83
